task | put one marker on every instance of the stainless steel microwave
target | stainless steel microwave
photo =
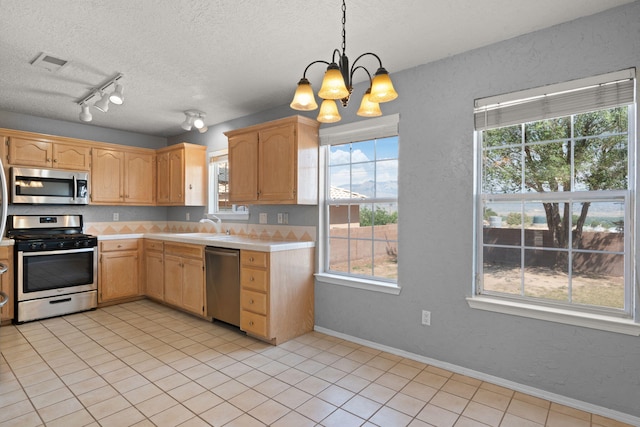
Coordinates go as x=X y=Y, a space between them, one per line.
x=49 y=186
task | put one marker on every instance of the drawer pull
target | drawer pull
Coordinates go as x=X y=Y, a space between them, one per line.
x=251 y=259
x=250 y=322
x=251 y=301
x=252 y=279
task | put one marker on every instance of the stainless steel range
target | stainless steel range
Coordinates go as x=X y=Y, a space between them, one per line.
x=56 y=266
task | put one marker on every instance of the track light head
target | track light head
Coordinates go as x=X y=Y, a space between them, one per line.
x=85 y=114
x=198 y=123
x=194 y=118
x=188 y=121
x=103 y=103
x=117 y=96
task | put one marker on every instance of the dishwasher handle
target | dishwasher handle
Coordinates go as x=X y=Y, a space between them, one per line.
x=231 y=253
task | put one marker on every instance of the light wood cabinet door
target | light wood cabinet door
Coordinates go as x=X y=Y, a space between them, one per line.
x=243 y=167
x=176 y=177
x=71 y=156
x=193 y=285
x=119 y=275
x=139 y=182
x=154 y=275
x=162 y=162
x=173 y=279
x=6 y=284
x=30 y=152
x=107 y=176
x=277 y=164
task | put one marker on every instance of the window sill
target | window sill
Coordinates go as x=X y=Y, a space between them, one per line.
x=558 y=315
x=236 y=216
x=358 y=283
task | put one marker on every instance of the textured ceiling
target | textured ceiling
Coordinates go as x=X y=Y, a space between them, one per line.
x=231 y=58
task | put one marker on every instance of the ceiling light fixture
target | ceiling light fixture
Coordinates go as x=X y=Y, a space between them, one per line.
x=194 y=119
x=338 y=84
x=116 y=97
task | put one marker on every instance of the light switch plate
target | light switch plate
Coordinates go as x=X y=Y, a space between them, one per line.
x=263 y=217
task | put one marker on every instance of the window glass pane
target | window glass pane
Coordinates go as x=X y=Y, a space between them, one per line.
x=502 y=171
x=602 y=122
x=341 y=217
x=385 y=263
x=509 y=135
x=547 y=167
x=339 y=182
x=363 y=151
x=339 y=254
x=340 y=154
x=544 y=232
x=363 y=180
x=598 y=279
x=387 y=148
x=501 y=270
x=599 y=226
x=601 y=163
x=361 y=257
x=548 y=130
x=546 y=275
x=501 y=223
x=387 y=179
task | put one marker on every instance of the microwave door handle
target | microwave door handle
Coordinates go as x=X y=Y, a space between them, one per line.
x=75 y=187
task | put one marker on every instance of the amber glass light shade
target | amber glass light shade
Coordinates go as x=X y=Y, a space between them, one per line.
x=303 y=99
x=381 y=87
x=333 y=86
x=329 y=112
x=368 y=108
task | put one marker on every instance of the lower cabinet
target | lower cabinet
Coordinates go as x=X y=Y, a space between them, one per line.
x=119 y=271
x=6 y=284
x=276 y=294
x=154 y=269
x=184 y=276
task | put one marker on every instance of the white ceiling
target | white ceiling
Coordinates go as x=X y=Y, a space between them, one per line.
x=231 y=58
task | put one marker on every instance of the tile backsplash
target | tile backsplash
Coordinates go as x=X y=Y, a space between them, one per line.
x=255 y=231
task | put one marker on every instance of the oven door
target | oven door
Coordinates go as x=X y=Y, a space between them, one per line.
x=53 y=273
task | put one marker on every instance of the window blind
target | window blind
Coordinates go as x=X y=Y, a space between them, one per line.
x=577 y=96
x=379 y=127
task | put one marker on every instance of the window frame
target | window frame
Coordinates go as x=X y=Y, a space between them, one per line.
x=578 y=315
x=237 y=212
x=376 y=128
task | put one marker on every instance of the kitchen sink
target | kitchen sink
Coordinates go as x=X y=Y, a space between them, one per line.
x=212 y=236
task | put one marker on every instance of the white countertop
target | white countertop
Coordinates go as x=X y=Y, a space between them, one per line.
x=218 y=240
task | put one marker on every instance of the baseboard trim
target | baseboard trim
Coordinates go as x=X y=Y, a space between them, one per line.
x=552 y=397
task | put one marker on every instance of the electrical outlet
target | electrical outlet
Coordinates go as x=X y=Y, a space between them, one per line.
x=280 y=216
x=188 y=216
x=286 y=217
x=116 y=216
x=263 y=217
x=426 y=317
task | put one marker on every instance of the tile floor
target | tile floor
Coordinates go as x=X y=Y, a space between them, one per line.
x=144 y=364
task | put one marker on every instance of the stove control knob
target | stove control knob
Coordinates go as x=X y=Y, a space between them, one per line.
x=33 y=246
x=43 y=246
x=76 y=243
x=61 y=245
x=85 y=243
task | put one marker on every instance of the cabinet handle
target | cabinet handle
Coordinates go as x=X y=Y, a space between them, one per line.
x=251 y=301
x=251 y=279
x=190 y=187
x=250 y=322
x=251 y=259
x=119 y=246
x=48 y=159
x=55 y=160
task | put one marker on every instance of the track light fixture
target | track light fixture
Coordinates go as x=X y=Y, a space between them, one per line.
x=337 y=84
x=194 y=119
x=115 y=97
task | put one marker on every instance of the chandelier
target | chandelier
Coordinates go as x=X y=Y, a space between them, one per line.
x=337 y=84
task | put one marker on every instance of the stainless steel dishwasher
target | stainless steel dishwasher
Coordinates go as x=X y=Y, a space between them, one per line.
x=223 y=284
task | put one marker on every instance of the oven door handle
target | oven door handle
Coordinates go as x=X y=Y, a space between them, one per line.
x=75 y=187
x=56 y=252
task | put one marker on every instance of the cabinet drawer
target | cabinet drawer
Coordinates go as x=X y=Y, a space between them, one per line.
x=254 y=259
x=253 y=323
x=181 y=249
x=253 y=301
x=254 y=279
x=119 y=245
x=153 y=245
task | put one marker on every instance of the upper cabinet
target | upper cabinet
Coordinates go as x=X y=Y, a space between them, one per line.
x=274 y=162
x=122 y=177
x=44 y=153
x=182 y=175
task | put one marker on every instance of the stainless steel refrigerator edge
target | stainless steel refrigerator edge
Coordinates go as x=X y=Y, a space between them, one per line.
x=223 y=284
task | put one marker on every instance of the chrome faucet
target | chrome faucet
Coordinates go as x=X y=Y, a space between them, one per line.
x=217 y=224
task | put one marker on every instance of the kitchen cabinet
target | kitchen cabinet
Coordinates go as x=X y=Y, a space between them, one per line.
x=6 y=284
x=274 y=162
x=119 y=270
x=154 y=269
x=182 y=175
x=122 y=177
x=184 y=276
x=276 y=294
x=46 y=153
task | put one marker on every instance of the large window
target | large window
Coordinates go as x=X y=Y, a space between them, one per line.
x=219 y=203
x=555 y=198
x=361 y=204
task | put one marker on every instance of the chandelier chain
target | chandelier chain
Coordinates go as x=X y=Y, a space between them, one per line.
x=344 y=31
